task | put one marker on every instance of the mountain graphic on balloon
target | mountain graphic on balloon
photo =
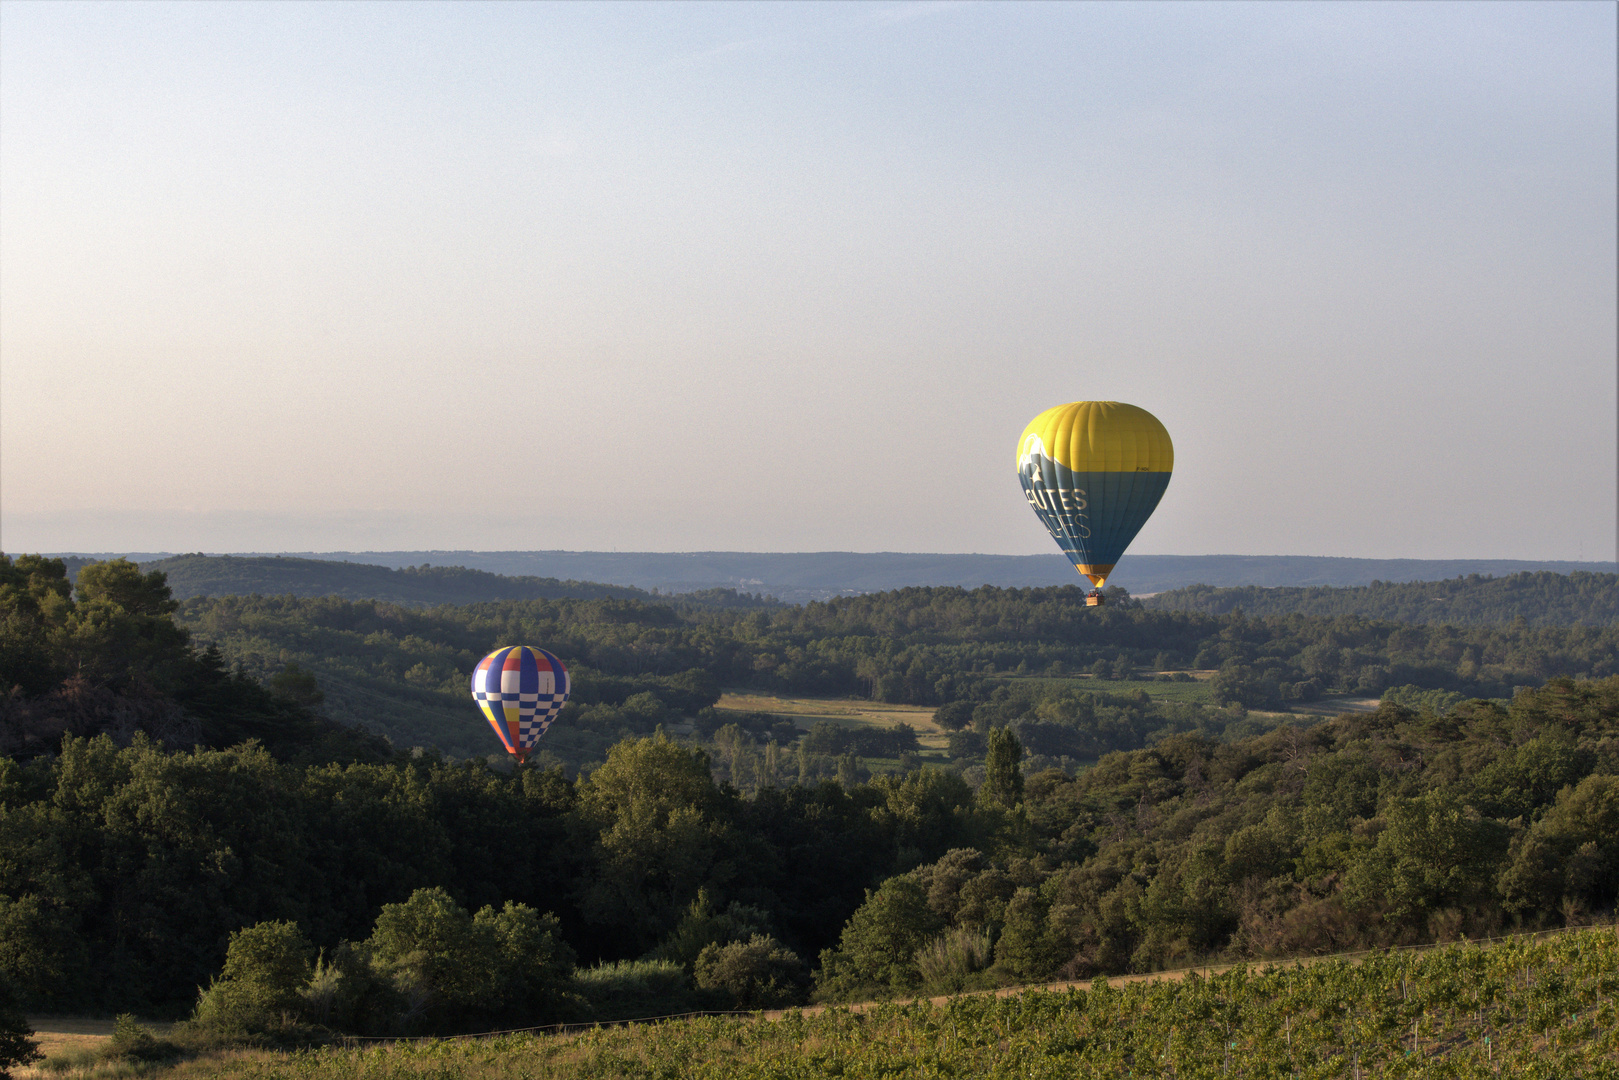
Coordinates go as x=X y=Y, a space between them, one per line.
x=1094 y=471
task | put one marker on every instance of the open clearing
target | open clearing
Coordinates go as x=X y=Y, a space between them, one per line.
x=805 y=712
x=75 y=1037
x=850 y=712
x=847 y=712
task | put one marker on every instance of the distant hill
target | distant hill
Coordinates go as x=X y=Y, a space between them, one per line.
x=819 y=575
x=1542 y=599
x=233 y=575
x=797 y=578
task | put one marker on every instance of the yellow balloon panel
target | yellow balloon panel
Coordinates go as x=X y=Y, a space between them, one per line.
x=1100 y=436
x=1093 y=471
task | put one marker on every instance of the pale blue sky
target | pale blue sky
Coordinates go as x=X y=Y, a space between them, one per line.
x=793 y=277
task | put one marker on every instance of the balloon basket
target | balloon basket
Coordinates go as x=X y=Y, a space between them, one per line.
x=1094 y=600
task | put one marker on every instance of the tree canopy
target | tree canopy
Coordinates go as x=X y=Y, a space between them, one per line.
x=168 y=823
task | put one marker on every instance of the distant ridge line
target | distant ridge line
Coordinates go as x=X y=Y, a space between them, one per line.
x=802 y=576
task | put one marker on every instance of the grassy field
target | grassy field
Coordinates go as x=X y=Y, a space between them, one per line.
x=73 y=1046
x=805 y=712
x=852 y=712
x=847 y=712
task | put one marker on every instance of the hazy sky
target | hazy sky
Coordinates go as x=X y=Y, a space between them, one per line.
x=793 y=277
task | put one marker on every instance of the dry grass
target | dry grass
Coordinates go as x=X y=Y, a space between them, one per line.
x=848 y=712
x=71 y=1045
x=851 y=712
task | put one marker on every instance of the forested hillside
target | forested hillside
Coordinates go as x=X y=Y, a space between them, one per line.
x=416 y=586
x=726 y=865
x=817 y=575
x=1539 y=599
x=404 y=670
x=123 y=872
x=105 y=655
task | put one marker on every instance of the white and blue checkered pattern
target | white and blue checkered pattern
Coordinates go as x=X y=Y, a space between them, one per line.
x=520 y=690
x=520 y=698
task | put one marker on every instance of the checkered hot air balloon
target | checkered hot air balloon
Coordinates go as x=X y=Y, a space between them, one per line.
x=520 y=690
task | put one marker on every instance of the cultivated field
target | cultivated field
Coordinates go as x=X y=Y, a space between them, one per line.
x=1546 y=1008
x=847 y=712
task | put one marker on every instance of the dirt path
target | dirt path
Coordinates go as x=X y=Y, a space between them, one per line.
x=1007 y=991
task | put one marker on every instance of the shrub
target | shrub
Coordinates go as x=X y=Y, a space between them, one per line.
x=760 y=973
x=950 y=961
x=266 y=966
x=631 y=989
x=16 y=1048
x=348 y=991
x=321 y=993
x=427 y=964
x=132 y=1041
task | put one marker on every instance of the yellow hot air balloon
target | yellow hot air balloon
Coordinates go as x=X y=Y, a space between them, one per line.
x=1094 y=471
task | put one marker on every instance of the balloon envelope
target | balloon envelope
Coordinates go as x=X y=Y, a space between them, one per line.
x=1094 y=471
x=520 y=690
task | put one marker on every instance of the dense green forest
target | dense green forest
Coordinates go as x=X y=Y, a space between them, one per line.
x=1540 y=599
x=124 y=872
x=143 y=843
x=127 y=867
x=105 y=655
x=403 y=670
